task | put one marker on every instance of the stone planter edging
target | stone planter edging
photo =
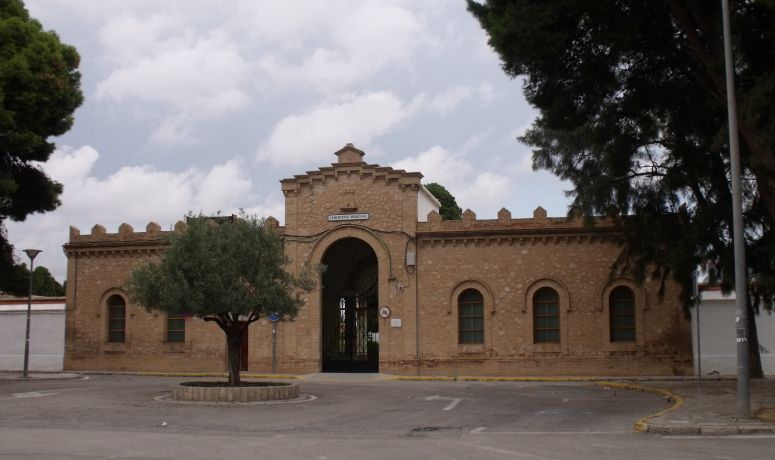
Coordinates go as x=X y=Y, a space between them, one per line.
x=236 y=394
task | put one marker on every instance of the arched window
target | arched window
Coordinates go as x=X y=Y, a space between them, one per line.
x=621 y=304
x=116 y=319
x=546 y=316
x=470 y=307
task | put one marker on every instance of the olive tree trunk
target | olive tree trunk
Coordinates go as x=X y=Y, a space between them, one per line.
x=234 y=353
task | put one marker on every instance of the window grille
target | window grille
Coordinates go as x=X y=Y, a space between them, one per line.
x=176 y=327
x=116 y=319
x=471 y=316
x=546 y=316
x=621 y=313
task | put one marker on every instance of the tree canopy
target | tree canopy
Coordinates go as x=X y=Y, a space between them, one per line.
x=17 y=282
x=39 y=91
x=228 y=271
x=449 y=209
x=632 y=105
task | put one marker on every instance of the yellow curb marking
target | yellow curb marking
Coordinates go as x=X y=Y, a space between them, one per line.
x=642 y=425
x=495 y=379
x=765 y=414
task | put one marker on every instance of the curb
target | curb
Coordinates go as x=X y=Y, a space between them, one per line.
x=473 y=378
x=642 y=425
x=464 y=378
x=41 y=377
x=443 y=378
x=196 y=374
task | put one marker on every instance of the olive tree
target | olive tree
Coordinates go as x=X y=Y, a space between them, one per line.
x=229 y=271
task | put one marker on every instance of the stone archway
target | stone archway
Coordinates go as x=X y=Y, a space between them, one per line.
x=350 y=325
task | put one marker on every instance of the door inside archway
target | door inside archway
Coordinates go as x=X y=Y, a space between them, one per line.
x=350 y=294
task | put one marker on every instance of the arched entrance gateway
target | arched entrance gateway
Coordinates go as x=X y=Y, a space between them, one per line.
x=350 y=295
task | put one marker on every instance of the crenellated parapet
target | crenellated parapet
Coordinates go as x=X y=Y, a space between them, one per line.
x=126 y=239
x=505 y=229
x=125 y=233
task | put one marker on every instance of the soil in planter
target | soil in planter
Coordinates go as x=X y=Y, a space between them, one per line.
x=226 y=384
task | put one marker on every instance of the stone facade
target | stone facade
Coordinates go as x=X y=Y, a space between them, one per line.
x=421 y=268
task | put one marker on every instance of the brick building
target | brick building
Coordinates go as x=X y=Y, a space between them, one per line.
x=404 y=292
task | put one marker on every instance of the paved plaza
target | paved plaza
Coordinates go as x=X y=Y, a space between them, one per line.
x=129 y=417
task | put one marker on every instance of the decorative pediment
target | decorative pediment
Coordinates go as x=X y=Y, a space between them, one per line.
x=350 y=154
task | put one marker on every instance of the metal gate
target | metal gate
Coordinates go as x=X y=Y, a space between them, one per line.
x=350 y=333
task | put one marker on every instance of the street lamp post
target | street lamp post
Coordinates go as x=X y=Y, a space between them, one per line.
x=31 y=253
x=738 y=241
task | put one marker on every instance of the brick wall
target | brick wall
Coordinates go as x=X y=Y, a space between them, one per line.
x=505 y=259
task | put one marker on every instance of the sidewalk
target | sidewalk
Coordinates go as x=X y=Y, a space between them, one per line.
x=17 y=375
x=710 y=407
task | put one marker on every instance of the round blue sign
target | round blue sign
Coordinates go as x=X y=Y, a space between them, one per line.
x=274 y=317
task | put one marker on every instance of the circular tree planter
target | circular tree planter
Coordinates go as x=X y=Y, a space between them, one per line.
x=246 y=392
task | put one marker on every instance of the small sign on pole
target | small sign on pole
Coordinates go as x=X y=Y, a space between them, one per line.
x=274 y=317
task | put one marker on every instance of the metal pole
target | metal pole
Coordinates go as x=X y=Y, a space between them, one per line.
x=274 y=347
x=697 y=302
x=31 y=253
x=699 y=344
x=741 y=285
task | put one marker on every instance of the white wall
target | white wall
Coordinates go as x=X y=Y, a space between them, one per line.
x=718 y=346
x=47 y=336
x=426 y=203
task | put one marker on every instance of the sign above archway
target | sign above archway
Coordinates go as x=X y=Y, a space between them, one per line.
x=344 y=217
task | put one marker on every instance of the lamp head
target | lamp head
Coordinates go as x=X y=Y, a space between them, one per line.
x=32 y=253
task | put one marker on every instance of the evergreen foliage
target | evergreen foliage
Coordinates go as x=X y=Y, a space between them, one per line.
x=449 y=209
x=16 y=281
x=230 y=273
x=632 y=107
x=39 y=91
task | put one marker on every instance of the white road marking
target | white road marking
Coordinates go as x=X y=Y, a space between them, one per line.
x=31 y=394
x=38 y=394
x=450 y=406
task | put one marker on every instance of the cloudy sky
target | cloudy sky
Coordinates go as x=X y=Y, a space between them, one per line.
x=204 y=105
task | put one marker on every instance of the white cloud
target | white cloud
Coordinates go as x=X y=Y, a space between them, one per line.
x=161 y=61
x=133 y=194
x=450 y=99
x=437 y=165
x=225 y=185
x=524 y=164
x=357 y=43
x=485 y=195
x=127 y=38
x=287 y=23
x=482 y=192
x=312 y=136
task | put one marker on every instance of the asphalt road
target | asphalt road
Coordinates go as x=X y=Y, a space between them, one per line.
x=127 y=417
